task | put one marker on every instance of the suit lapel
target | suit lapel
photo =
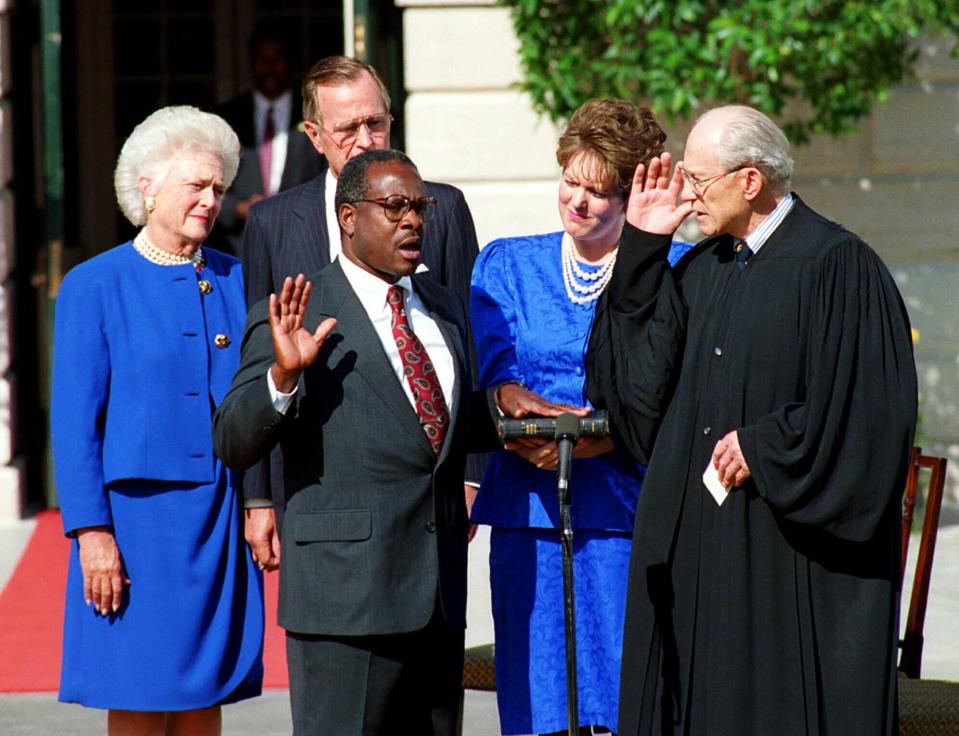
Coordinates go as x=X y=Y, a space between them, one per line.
x=357 y=336
x=309 y=241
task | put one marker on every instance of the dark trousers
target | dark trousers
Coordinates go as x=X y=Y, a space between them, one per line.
x=389 y=685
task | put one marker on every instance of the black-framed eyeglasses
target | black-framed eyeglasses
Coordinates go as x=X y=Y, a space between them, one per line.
x=396 y=206
x=345 y=134
x=700 y=185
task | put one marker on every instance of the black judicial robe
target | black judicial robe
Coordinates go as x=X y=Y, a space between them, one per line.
x=777 y=612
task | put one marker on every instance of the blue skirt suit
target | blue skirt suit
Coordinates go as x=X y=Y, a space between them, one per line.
x=527 y=329
x=142 y=355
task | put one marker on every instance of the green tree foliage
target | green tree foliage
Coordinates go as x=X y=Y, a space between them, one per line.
x=819 y=64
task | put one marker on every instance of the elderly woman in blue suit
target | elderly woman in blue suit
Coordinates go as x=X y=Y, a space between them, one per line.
x=164 y=616
x=532 y=303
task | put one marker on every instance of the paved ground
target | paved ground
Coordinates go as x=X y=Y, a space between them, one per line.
x=38 y=714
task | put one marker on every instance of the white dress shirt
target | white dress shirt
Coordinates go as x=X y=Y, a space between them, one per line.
x=332 y=224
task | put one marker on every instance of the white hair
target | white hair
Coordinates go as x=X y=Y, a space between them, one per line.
x=154 y=144
x=749 y=138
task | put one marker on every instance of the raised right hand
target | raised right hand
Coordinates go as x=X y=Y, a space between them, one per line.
x=654 y=199
x=295 y=347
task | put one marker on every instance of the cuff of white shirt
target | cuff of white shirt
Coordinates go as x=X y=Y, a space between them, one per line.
x=257 y=503
x=281 y=401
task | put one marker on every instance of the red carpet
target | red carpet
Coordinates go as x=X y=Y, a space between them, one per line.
x=31 y=616
x=31 y=611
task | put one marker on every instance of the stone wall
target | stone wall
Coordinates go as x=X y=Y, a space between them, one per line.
x=895 y=182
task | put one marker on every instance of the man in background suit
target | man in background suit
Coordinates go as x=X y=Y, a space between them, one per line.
x=277 y=153
x=346 y=111
x=373 y=424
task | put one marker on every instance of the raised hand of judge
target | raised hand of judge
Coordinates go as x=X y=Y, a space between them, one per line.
x=295 y=347
x=654 y=199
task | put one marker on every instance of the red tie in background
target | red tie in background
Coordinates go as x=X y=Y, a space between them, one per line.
x=418 y=369
x=265 y=151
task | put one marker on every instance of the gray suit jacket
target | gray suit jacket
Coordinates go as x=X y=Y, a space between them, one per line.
x=374 y=526
x=287 y=235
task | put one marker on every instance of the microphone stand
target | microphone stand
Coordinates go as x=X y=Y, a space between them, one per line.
x=567 y=432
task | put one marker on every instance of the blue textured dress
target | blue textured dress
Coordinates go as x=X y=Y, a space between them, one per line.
x=138 y=369
x=527 y=329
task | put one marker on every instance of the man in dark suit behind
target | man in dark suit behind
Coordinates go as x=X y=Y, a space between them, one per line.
x=268 y=122
x=346 y=111
x=373 y=582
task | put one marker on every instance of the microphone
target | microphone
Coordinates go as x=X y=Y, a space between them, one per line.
x=594 y=425
x=567 y=432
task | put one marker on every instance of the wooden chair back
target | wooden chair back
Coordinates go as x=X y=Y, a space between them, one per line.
x=910 y=658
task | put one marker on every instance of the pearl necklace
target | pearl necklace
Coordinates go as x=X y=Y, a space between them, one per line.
x=145 y=247
x=574 y=276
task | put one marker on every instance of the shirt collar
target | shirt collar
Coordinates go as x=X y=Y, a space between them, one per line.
x=758 y=237
x=261 y=104
x=371 y=290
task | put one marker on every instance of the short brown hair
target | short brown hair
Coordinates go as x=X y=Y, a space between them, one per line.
x=619 y=135
x=332 y=71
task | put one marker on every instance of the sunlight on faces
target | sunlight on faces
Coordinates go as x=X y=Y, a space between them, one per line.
x=340 y=104
x=388 y=250
x=592 y=211
x=188 y=202
x=718 y=204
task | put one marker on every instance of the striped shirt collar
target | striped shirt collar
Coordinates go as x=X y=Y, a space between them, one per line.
x=758 y=237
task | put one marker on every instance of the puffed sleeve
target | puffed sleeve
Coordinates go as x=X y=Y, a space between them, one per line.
x=80 y=391
x=493 y=316
x=836 y=459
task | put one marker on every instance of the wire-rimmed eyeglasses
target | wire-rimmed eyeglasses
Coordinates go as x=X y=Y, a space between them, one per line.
x=701 y=185
x=344 y=134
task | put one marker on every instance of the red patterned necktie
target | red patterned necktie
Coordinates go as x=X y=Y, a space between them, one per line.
x=420 y=374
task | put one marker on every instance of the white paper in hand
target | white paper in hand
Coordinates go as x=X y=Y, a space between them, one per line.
x=711 y=480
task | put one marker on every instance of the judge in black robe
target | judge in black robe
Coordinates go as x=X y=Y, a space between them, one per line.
x=776 y=612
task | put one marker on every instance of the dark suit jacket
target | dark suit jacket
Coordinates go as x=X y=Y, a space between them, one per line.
x=287 y=234
x=302 y=162
x=374 y=525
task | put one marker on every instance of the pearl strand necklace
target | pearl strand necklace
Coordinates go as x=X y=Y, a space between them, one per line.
x=573 y=275
x=145 y=247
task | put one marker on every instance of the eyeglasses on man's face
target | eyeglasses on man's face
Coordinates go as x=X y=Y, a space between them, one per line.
x=701 y=185
x=396 y=206
x=344 y=134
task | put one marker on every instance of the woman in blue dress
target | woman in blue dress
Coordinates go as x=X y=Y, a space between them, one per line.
x=532 y=303
x=164 y=613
